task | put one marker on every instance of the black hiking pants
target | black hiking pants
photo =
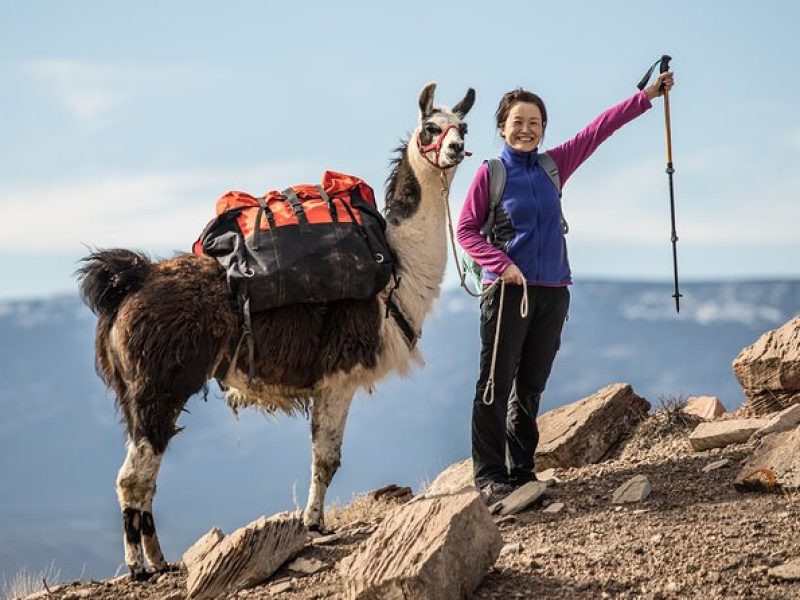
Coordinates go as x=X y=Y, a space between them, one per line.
x=504 y=433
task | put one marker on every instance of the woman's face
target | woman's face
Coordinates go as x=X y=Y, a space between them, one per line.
x=523 y=128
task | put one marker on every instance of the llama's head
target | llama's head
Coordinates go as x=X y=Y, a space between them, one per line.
x=441 y=131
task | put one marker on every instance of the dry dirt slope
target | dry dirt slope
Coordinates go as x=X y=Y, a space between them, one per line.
x=694 y=537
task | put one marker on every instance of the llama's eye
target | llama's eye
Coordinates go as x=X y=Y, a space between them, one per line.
x=433 y=129
x=462 y=129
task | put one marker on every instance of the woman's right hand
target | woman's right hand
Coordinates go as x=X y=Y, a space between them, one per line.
x=512 y=274
x=663 y=83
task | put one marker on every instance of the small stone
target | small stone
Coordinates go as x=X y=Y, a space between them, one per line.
x=733 y=564
x=705 y=407
x=548 y=476
x=519 y=499
x=636 y=489
x=324 y=540
x=307 y=566
x=284 y=585
x=716 y=465
x=657 y=538
x=392 y=492
x=789 y=571
x=515 y=548
x=78 y=595
x=554 y=508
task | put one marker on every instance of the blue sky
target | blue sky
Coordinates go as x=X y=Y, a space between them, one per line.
x=123 y=122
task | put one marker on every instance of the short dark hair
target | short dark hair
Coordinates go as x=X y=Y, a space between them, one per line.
x=511 y=98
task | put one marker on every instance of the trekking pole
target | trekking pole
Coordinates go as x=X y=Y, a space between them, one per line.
x=663 y=68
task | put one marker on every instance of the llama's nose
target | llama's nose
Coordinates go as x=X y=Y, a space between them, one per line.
x=456 y=147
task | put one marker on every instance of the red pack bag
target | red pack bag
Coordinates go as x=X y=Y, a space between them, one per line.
x=307 y=243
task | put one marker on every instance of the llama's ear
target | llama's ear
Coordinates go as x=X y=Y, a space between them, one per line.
x=426 y=100
x=463 y=107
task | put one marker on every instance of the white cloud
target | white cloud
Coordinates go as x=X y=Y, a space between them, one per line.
x=93 y=90
x=156 y=212
x=87 y=91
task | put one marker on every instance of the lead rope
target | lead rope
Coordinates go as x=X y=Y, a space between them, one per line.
x=461 y=276
x=488 y=391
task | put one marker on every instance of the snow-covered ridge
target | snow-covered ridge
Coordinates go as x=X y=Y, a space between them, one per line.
x=753 y=304
x=33 y=313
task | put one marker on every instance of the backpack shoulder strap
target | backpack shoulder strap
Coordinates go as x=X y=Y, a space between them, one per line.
x=550 y=167
x=497 y=183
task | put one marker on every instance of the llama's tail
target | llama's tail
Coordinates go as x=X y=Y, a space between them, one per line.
x=107 y=276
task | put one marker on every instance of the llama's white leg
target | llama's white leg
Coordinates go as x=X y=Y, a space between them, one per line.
x=136 y=486
x=328 y=417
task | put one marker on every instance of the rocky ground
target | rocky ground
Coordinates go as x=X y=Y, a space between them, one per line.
x=694 y=537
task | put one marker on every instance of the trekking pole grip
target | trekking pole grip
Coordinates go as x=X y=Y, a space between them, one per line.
x=664 y=66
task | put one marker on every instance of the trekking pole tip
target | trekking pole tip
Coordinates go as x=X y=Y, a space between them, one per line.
x=677 y=296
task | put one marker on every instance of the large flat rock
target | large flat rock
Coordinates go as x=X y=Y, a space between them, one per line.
x=584 y=431
x=436 y=548
x=769 y=369
x=785 y=420
x=774 y=465
x=246 y=557
x=718 y=434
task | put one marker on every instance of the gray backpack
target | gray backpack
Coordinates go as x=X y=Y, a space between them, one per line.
x=497 y=184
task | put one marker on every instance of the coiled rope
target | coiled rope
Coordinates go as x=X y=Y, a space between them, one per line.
x=488 y=390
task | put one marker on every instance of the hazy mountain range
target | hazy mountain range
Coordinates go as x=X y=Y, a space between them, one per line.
x=61 y=444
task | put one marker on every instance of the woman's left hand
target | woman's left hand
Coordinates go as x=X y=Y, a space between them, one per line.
x=664 y=82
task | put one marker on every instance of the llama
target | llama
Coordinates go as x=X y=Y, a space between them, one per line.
x=165 y=328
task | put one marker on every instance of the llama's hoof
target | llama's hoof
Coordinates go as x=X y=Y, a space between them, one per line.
x=318 y=529
x=169 y=568
x=140 y=574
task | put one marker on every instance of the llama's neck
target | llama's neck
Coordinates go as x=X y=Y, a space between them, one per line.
x=420 y=241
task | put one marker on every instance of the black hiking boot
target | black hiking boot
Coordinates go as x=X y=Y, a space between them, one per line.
x=495 y=491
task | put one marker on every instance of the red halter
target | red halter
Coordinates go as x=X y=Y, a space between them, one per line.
x=437 y=146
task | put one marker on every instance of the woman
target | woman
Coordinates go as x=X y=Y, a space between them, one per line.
x=528 y=248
